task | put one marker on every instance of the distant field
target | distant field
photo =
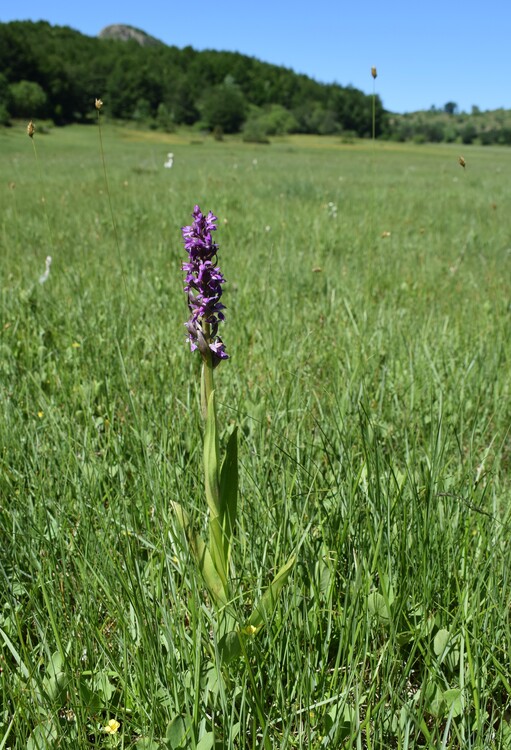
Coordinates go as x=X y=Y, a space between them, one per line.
x=369 y=326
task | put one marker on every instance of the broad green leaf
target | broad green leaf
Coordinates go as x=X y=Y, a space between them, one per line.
x=434 y=700
x=234 y=730
x=56 y=688
x=441 y=641
x=43 y=737
x=229 y=646
x=206 y=742
x=338 y=724
x=377 y=606
x=454 y=701
x=440 y=703
x=210 y=680
x=89 y=699
x=177 y=731
x=103 y=684
x=146 y=744
x=54 y=666
x=324 y=574
x=387 y=588
x=56 y=681
x=505 y=731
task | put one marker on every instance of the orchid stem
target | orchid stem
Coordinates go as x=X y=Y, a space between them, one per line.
x=206 y=384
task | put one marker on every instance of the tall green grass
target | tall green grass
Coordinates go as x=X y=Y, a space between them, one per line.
x=369 y=377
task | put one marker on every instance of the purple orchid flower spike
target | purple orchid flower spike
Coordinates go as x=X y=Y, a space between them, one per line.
x=203 y=285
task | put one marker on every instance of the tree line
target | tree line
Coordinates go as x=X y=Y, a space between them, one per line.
x=449 y=125
x=55 y=73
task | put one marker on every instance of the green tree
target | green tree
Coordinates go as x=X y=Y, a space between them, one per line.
x=5 y=101
x=450 y=108
x=488 y=137
x=433 y=131
x=164 y=118
x=28 y=100
x=504 y=136
x=142 y=111
x=468 y=133
x=125 y=87
x=224 y=106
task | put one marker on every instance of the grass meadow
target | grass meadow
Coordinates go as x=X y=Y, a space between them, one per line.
x=368 y=324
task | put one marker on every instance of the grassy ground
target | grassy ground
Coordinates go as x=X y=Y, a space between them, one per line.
x=369 y=327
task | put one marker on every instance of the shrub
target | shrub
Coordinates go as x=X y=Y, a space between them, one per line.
x=28 y=100
x=254 y=133
x=468 y=133
x=164 y=118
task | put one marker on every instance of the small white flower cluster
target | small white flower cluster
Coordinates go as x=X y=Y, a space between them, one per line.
x=332 y=210
x=170 y=161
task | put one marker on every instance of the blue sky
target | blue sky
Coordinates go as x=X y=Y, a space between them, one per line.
x=426 y=53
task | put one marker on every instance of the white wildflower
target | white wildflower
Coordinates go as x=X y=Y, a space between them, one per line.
x=332 y=210
x=170 y=161
x=44 y=277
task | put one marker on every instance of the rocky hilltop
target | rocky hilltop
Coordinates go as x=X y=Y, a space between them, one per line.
x=125 y=33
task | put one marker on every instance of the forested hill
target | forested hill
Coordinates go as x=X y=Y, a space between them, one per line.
x=56 y=73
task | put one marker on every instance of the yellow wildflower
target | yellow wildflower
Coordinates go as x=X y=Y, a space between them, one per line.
x=111 y=727
x=250 y=630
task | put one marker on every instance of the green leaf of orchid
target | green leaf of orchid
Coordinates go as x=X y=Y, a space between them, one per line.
x=211 y=459
x=211 y=463
x=229 y=646
x=266 y=605
x=229 y=493
x=202 y=557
